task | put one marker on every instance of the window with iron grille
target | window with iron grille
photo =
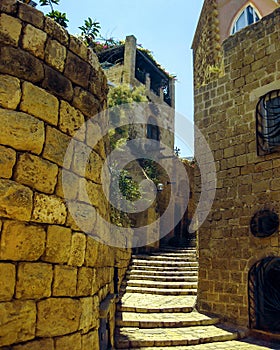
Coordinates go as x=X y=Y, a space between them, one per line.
x=268 y=123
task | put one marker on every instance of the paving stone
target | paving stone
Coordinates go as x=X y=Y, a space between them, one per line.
x=161 y=284
x=159 y=319
x=161 y=291
x=156 y=303
x=172 y=336
x=184 y=278
x=226 y=345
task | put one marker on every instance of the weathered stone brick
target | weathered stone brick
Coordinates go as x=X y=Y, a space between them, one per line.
x=55 y=54
x=84 y=157
x=91 y=255
x=77 y=252
x=67 y=185
x=10 y=29
x=34 y=41
x=80 y=158
x=56 y=147
x=22 y=241
x=31 y=15
x=21 y=131
x=21 y=64
x=94 y=138
x=34 y=280
x=15 y=200
x=7 y=281
x=15 y=316
x=65 y=281
x=275 y=185
x=71 y=120
x=39 y=103
x=10 y=92
x=56 y=31
x=107 y=252
x=85 y=279
x=78 y=47
x=87 y=320
x=57 y=316
x=9 y=6
x=93 y=60
x=72 y=342
x=58 y=244
x=85 y=102
x=263 y=166
x=49 y=209
x=57 y=84
x=7 y=161
x=77 y=70
x=90 y=192
x=42 y=344
x=82 y=217
x=90 y=340
x=36 y=172
x=241 y=160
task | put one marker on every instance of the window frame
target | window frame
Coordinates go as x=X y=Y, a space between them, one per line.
x=152 y=129
x=233 y=28
x=268 y=124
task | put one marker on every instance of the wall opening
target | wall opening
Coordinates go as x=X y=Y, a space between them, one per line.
x=264 y=295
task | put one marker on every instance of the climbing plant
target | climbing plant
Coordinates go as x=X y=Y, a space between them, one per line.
x=118 y=95
x=129 y=189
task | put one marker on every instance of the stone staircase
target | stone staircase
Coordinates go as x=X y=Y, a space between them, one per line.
x=156 y=309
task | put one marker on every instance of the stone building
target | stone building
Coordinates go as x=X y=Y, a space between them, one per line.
x=237 y=107
x=129 y=64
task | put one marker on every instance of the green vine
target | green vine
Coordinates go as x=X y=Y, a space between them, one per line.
x=118 y=95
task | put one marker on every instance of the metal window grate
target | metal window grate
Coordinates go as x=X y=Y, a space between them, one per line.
x=264 y=295
x=268 y=123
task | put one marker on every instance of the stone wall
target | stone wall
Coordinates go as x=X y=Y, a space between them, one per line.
x=246 y=183
x=53 y=276
x=207 y=57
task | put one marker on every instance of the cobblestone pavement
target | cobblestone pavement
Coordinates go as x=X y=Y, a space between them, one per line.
x=157 y=311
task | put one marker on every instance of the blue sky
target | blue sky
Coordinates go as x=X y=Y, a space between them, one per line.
x=165 y=27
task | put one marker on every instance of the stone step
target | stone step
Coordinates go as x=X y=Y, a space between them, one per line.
x=185 y=257
x=160 y=284
x=171 y=278
x=152 y=320
x=139 y=302
x=164 y=272
x=170 y=264
x=133 y=337
x=161 y=291
x=250 y=344
x=166 y=269
x=173 y=253
x=177 y=250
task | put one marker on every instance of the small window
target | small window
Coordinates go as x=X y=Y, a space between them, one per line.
x=268 y=123
x=248 y=16
x=152 y=130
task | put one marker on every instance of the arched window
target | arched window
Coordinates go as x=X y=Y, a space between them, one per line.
x=152 y=130
x=248 y=16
